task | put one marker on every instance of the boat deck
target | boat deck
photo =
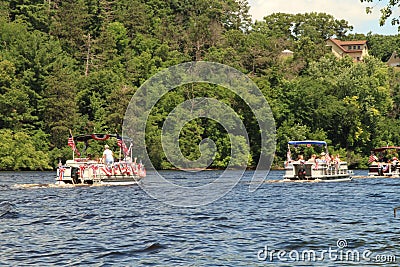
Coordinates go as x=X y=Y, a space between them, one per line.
x=81 y=171
x=317 y=171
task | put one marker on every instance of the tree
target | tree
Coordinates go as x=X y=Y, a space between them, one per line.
x=386 y=12
x=119 y=100
x=316 y=26
x=382 y=46
x=34 y=13
x=319 y=27
x=134 y=15
x=29 y=151
x=305 y=34
x=61 y=112
x=75 y=64
x=71 y=24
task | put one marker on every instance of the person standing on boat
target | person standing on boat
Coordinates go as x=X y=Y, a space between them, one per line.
x=301 y=174
x=313 y=158
x=108 y=155
x=395 y=161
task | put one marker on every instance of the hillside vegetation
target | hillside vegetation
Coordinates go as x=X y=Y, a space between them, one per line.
x=75 y=64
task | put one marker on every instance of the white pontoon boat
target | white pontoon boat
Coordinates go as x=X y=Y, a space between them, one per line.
x=315 y=169
x=383 y=162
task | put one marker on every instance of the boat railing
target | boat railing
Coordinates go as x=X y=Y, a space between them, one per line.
x=384 y=168
x=331 y=168
x=312 y=169
x=93 y=169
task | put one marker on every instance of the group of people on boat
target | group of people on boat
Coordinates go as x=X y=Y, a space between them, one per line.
x=318 y=165
x=384 y=164
x=325 y=158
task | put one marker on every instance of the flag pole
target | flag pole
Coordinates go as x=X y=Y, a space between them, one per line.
x=73 y=150
x=120 y=147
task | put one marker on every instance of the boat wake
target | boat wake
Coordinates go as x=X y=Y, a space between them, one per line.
x=42 y=185
x=63 y=185
x=152 y=247
x=290 y=181
x=5 y=208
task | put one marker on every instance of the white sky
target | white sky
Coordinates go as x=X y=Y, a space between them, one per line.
x=352 y=11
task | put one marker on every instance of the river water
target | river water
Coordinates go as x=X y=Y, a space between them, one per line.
x=279 y=224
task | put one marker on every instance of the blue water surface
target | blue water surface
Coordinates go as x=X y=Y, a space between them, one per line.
x=279 y=224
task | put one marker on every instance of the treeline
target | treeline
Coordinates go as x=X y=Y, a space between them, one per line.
x=75 y=64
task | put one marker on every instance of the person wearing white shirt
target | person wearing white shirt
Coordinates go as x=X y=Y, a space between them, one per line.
x=108 y=156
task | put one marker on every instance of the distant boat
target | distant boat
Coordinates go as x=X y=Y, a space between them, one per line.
x=321 y=168
x=88 y=171
x=383 y=161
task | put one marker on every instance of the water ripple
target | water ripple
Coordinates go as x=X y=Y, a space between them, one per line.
x=122 y=226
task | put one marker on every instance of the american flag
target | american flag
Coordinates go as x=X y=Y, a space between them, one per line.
x=372 y=158
x=122 y=145
x=71 y=143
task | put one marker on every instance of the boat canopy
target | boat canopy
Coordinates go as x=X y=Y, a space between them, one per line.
x=99 y=137
x=380 y=149
x=307 y=142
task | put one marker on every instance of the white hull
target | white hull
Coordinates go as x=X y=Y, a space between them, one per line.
x=323 y=179
x=321 y=172
x=383 y=162
x=81 y=172
x=120 y=183
x=384 y=170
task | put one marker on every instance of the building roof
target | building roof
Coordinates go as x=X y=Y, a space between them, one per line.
x=287 y=51
x=359 y=42
x=342 y=44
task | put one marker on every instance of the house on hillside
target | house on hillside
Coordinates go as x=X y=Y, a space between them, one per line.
x=286 y=54
x=394 y=60
x=355 y=49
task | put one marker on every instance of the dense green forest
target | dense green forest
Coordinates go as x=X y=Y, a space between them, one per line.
x=75 y=64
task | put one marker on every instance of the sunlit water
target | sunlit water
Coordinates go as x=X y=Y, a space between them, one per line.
x=123 y=226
